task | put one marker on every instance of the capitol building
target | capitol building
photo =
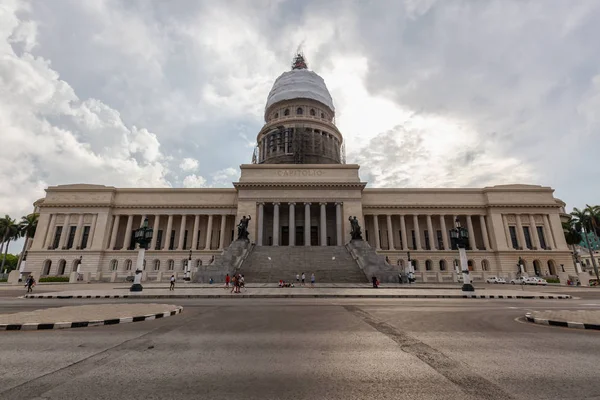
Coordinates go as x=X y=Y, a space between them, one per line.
x=299 y=194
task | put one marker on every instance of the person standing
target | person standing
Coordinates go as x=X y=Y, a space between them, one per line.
x=243 y=283
x=227 y=279
x=312 y=280
x=303 y=278
x=297 y=279
x=172 y=286
x=233 y=284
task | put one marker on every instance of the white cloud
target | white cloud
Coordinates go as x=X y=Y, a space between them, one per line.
x=194 y=181
x=189 y=164
x=225 y=177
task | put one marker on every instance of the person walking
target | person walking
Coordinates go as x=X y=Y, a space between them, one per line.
x=29 y=284
x=172 y=286
x=303 y=278
x=375 y=282
x=227 y=279
x=233 y=283
x=297 y=279
x=243 y=283
x=312 y=280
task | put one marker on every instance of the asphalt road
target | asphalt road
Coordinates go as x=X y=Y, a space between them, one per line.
x=308 y=349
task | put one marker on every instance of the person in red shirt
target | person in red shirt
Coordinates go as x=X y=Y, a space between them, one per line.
x=227 y=279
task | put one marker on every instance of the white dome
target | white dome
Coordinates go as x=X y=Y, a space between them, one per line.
x=299 y=84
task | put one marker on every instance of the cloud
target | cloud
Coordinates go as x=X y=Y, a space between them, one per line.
x=194 y=181
x=189 y=164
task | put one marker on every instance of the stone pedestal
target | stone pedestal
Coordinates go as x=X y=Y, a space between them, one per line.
x=159 y=276
x=13 y=277
x=73 y=277
x=584 y=278
x=226 y=263
x=372 y=263
x=113 y=277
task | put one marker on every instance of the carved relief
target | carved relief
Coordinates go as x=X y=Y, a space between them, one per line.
x=511 y=219
x=539 y=220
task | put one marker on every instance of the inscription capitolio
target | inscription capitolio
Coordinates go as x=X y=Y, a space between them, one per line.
x=299 y=172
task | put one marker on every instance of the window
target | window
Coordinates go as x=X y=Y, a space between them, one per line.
x=159 y=235
x=84 y=238
x=286 y=112
x=471 y=265
x=428 y=265
x=198 y=241
x=61 y=267
x=184 y=264
x=276 y=115
x=71 y=239
x=540 y=232
x=198 y=263
x=128 y=265
x=56 y=240
x=172 y=240
x=185 y=239
x=440 y=240
x=171 y=265
x=312 y=112
x=299 y=111
x=156 y=265
x=113 y=265
x=414 y=240
x=132 y=241
x=485 y=265
x=322 y=115
x=427 y=244
x=513 y=237
x=442 y=263
x=415 y=264
x=527 y=237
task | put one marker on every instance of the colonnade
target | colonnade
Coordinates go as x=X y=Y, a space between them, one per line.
x=78 y=239
x=291 y=223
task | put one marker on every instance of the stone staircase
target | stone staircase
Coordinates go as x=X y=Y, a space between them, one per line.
x=330 y=264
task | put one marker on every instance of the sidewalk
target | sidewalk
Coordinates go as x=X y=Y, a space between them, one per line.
x=580 y=319
x=299 y=292
x=87 y=315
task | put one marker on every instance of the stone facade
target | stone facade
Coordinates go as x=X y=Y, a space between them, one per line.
x=299 y=192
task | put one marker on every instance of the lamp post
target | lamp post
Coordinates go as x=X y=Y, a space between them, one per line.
x=410 y=273
x=460 y=240
x=188 y=268
x=143 y=237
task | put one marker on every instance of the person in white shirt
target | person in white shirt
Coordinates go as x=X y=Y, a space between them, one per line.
x=172 y=287
x=297 y=278
x=303 y=278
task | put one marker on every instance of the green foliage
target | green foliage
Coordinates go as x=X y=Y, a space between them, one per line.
x=11 y=262
x=55 y=279
x=552 y=280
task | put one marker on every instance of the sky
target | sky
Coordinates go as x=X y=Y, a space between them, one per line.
x=149 y=93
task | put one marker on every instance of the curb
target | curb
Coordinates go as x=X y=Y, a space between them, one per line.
x=299 y=296
x=83 y=324
x=564 y=324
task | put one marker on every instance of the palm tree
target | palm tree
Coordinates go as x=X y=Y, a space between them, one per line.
x=594 y=213
x=583 y=222
x=572 y=236
x=3 y=232
x=11 y=232
x=27 y=228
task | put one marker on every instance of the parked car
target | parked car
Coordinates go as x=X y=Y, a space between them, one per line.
x=519 y=281
x=495 y=279
x=537 y=281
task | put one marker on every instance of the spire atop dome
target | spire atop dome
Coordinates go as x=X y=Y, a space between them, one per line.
x=299 y=62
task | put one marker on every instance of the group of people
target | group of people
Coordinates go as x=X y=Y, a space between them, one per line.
x=303 y=277
x=236 y=282
x=30 y=283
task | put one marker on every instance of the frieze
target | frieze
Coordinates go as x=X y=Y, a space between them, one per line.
x=511 y=219
x=300 y=172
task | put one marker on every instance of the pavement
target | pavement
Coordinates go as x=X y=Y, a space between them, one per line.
x=301 y=292
x=580 y=319
x=342 y=348
x=85 y=316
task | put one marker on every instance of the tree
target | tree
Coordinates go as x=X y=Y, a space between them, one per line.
x=594 y=214
x=27 y=228
x=10 y=232
x=11 y=262
x=583 y=222
x=572 y=236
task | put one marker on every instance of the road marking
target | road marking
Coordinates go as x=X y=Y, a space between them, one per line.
x=457 y=372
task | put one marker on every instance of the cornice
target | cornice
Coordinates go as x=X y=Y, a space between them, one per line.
x=136 y=206
x=440 y=206
x=315 y=185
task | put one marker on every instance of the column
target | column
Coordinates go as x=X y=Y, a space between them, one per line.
x=155 y=232
x=195 y=233
x=390 y=233
x=261 y=216
x=113 y=235
x=323 y=224
x=550 y=238
x=292 y=223
x=276 y=224
x=486 y=239
x=338 y=225
x=181 y=233
x=417 y=231
x=307 y=224
x=520 y=233
x=208 y=233
x=128 y=232
x=507 y=232
x=222 y=234
x=533 y=233
x=376 y=229
x=403 y=233
x=64 y=234
x=167 y=234
x=77 y=241
x=444 y=232
x=144 y=216
x=92 y=231
x=50 y=233
x=432 y=235
x=472 y=243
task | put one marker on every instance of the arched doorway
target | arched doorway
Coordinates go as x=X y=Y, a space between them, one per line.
x=75 y=264
x=61 y=267
x=114 y=264
x=456 y=264
x=128 y=264
x=537 y=267
x=552 y=267
x=485 y=265
x=428 y=265
x=442 y=265
x=415 y=264
x=46 y=268
x=471 y=265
